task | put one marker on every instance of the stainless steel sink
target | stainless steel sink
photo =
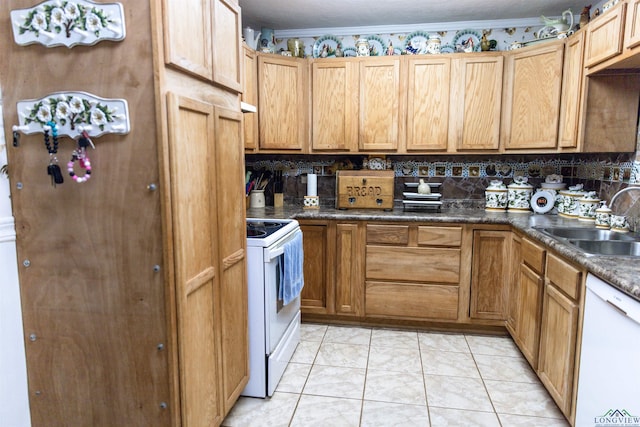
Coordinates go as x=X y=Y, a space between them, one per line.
x=608 y=247
x=587 y=234
x=593 y=241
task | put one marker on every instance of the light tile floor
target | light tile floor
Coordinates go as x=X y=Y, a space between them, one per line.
x=352 y=376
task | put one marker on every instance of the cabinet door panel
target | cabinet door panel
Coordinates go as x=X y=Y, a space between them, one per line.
x=489 y=274
x=428 y=103
x=349 y=280
x=476 y=99
x=187 y=36
x=193 y=198
x=515 y=258
x=380 y=107
x=632 y=25
x=558 y=346
x=250 y=96
x=232 y=251
x=532 y=97
x=282 y=102
x=316 y=268
x=227 y=51
x=334 y=105
x=604 y=36
x=530 y=311
x=571 y=91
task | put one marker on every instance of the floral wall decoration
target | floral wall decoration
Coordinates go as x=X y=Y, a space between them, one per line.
x=74 y=113
x=68 y=23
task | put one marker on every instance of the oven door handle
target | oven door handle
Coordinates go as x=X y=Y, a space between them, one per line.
x=273 y=254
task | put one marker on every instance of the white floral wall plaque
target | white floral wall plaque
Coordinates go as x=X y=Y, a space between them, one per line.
x=73 y=113
x=68 y=23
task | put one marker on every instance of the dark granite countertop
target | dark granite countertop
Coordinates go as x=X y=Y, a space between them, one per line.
x=621 y=272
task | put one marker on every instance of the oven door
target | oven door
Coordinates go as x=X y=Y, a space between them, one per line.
x=277 y=316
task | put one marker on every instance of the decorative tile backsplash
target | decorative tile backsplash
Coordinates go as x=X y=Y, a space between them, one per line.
x=463 y=178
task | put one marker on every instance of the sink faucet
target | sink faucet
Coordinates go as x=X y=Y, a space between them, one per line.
x=632 y=222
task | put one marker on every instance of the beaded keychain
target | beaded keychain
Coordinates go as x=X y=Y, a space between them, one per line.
x=53 y=169
x=80 y=155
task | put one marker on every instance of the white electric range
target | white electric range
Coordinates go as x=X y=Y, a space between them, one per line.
x=274 y=328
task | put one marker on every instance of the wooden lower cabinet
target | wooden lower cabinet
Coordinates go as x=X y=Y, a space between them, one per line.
x=559 y=331
x=349 y=281
x=529 y=302
x=412 y=300
x=315 y=296
x=490 y=273
x=515 y=259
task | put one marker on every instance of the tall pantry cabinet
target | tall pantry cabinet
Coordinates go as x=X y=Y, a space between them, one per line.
x=133 y=284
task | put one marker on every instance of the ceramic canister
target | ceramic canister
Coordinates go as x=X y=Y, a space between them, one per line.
x=496 y=196
x=519 y=195
x=603 y=216
x=554 y=188
x=570 y=207
x=587 y=206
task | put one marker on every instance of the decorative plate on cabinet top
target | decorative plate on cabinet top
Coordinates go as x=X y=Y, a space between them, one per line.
x=447 y=48
x=350 y=51
x=377 y=46
x=415 y=42
x=467 y=41
x=326 y=46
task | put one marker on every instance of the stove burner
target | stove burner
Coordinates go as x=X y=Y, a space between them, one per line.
x=261 y=224
x=258 y=229
x=252 y=232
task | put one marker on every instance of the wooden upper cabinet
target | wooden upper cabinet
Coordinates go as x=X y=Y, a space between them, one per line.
x=632 y=25
x=283 y=102
x=227 y=51
x=531 y=102
x=334 y=105
x=381 y=109
x=572 y=77
x=605 y=36
x=250 y=96
x=428 y=81
x=187 y=36
x=476 y=101
x=190 y=28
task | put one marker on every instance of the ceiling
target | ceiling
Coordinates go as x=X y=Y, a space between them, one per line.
x=327 y=14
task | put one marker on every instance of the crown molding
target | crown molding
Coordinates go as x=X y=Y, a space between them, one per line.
x=409 y=28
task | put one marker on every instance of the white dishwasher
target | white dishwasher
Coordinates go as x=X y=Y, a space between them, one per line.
x=609 y=377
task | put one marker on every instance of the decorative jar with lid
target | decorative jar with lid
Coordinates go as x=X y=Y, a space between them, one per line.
x=587 y=206
x=496 y=196
x=603 y=216
x=433 y=44
x=519 y=194
x=363 y=47
x=570 y=206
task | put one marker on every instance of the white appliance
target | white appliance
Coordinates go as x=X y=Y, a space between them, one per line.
x=274 y=328
x=609 y=376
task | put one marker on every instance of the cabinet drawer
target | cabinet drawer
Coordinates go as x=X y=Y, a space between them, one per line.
x=388 y=234
x=564 y=275
x=533 y=255
x=411 y=300
x=434 y=265
x=439 y=236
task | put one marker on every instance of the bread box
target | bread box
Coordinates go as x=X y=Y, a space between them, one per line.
x=364 y=189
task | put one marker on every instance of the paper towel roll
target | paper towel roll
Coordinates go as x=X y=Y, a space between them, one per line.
x=312 y=184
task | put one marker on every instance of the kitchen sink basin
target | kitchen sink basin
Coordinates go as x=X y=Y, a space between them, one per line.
x=594 y=241
x=608 y=247
x=588 y=234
